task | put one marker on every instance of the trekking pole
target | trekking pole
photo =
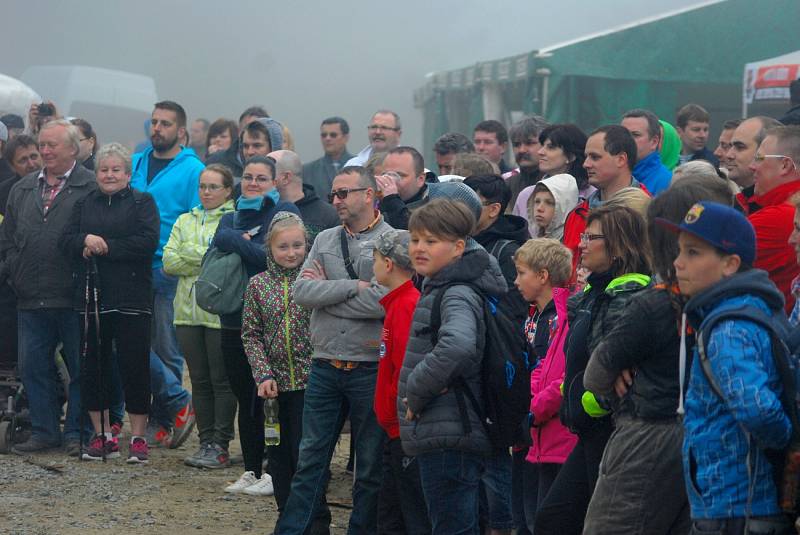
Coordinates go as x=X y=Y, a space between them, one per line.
x=84 y=356
x=100 y=385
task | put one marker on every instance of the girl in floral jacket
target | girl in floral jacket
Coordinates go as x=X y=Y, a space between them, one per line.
x=276 y=339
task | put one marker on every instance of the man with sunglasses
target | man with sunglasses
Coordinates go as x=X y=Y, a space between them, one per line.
x=776 y=178
x=384 y=131
x=334 y=133
x=338 y=285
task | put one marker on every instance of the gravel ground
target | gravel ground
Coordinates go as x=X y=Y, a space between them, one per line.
x=52 y=494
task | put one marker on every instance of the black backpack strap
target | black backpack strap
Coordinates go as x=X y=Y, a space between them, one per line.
x=498 y=248
x=348 y=262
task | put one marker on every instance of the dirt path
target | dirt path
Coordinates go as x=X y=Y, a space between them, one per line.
x=74 y=497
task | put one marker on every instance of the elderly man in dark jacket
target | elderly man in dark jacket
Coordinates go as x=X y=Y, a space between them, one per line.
x=38 y=209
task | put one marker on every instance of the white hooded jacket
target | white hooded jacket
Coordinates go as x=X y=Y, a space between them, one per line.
x=564 y=189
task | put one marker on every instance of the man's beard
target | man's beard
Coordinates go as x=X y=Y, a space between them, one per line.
x=162 y=144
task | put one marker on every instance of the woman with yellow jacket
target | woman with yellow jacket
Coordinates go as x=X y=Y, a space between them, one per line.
x=198 y=332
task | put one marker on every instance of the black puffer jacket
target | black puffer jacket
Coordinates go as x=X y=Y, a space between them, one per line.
x=502 y=240
x=592 y=315
x=128 y=222
x=645 y=339
x=428 y=370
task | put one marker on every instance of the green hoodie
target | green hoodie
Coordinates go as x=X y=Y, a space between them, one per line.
x=188 y=242
x=670 y=146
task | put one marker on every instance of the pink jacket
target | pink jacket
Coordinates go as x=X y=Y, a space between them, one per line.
x=552 y=442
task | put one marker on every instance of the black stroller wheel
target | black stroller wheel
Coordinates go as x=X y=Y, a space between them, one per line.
x=6 y=436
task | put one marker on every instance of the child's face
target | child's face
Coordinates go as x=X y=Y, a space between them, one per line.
x=288 y=247
x=529 y=282
x=380 y=267
x=699 y=265
x=429 y=253
x=544 y=208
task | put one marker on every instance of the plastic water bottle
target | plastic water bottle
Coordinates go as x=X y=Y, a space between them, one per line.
x=272 y=426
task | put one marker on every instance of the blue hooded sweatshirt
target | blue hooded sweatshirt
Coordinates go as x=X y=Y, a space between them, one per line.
x=652 y=173
x=175 y=189
x=715 y=447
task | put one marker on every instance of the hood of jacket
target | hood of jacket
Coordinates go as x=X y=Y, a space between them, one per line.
x=564 y=189
x=507 y=227
x=475 y=266
x=754 y=283
x=309 y=196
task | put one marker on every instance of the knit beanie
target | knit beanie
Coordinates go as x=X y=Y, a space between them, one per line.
x=275 y=132
x=457 y=191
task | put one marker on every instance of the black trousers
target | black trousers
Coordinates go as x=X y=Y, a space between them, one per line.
x=130 y=333
x=537 y=480
x=283 y=457
x=565 y=505
x=251 y=407
x=401 y=504
x=8 y=327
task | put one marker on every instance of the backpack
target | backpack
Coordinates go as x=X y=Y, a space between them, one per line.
x=505 y=374
x=221 y=284
x=785 y=341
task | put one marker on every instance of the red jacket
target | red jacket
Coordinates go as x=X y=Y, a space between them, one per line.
x=399 y=305
x=773 y=223
x=552 y=442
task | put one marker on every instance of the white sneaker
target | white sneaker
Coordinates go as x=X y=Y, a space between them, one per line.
x=246 y=480
x=262 y=487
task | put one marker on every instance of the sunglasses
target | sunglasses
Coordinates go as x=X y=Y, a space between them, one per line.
x=332 y=135
x=343 y=193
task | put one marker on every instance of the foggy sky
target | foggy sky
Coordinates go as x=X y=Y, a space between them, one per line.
x=302 y=60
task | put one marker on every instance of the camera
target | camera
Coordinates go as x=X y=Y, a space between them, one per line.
x=46 y=109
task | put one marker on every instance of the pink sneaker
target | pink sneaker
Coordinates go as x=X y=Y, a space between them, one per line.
x=138 y=451
x=97 y=447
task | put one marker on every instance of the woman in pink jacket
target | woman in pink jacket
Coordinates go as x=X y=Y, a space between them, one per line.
x=544 y=267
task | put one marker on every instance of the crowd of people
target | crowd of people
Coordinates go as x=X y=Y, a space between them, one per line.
x=639 y=270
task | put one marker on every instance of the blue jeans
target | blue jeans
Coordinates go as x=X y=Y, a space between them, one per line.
x=327 y=390
x=39 y=333
x=496 y=491
x=450 y=484
x=166 y=361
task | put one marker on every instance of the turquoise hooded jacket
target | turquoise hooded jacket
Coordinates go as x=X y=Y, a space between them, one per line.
x=175 y=189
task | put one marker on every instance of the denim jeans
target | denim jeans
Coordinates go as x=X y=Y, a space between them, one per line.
x=450 y=484
x=166 y=361
x=496 y=491
x=327 y=390
x=39 y=333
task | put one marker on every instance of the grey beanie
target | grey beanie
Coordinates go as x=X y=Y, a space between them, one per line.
x=457 y=191
x=275 y=131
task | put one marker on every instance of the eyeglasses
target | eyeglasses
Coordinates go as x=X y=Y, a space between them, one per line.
x=586 y=238
x=210 y=187
x=759 y=158
x=332 y=135
x=376 y=127
x=343 y=193
x=260 y=179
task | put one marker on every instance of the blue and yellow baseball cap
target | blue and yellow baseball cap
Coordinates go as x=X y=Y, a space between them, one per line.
x=721 y=226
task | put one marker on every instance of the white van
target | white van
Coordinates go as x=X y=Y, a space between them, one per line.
x=116 y=103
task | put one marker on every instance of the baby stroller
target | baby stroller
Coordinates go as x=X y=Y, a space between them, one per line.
x=15 y=421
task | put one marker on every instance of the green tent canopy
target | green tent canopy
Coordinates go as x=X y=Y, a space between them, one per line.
x=694 y=54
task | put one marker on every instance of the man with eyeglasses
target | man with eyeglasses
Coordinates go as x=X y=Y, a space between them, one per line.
x=384 y=131
x=334 y=133
x=745 y=140
x=776 y=178
x=338 y=285
x=31 y=261
x=170 y=172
